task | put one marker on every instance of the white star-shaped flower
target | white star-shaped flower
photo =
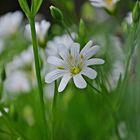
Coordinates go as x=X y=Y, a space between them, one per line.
x=109 y=4
x=74 y=63
x=9 y=23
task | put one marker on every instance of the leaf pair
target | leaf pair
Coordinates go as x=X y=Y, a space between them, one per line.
x=34 y=7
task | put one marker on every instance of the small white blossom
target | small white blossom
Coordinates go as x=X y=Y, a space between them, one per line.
x=17 y=82
x=26 y=58
x=41 y=30
x=54 y=45
x=129 y=18
x=74 y=63
x=9 y=23
x=109 y=4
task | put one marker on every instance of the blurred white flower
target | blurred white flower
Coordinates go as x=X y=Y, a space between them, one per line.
x=17 y=82
x=41 y=30
x=24 y=63
x=26 y=58
x=10 y=22
x=118 y=68
x=109 y=4
x=122 y=128
x=129 y=18
x=73 y=64
x=1 y=46
x=54 y=45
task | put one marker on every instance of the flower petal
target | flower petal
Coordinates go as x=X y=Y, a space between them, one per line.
x=98 y=3
x=92 y=51
x=95 y=61
x=75 y=48
x=86 y=48
x=63 y=51
x=79 y=81
x=55 y=61
x=64 y=82
x=54 y=75
x=89 y=72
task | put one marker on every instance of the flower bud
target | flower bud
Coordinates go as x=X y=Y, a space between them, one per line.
x=56 y=13
x=136 y=12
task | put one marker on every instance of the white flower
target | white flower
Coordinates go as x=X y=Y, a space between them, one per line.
x=129 y=18
x=109 y=4
x=74 y=64
x=41 y=30
x=17 y=82
x=10 y=22
x=54 y=45
x=26 y=58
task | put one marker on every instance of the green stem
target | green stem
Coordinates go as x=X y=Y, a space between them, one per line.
x=110 y=106
x=69 y=33
x=37 y=67
x=54 y=109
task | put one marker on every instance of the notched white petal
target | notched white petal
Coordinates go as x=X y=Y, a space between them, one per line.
x=86 y=48
x=79 y=81
x=64 y=82
x=75 y=48
x=92 y=51
x=95 y=61
x=54 y=75
x=55 y=61
x=90 y=73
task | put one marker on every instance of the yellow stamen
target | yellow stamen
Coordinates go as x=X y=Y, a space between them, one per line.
x=75 y=70
x=109 y=2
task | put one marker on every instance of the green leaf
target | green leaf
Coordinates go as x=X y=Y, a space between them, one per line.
x=24 y=6
x=35 y=6
x=82 y=28
x=136 y=13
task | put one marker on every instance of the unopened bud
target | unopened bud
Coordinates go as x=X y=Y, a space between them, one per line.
x=136 y=12
x=56 y=13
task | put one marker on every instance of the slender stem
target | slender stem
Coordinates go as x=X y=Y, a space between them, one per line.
x=110 y=106
x=54 y=109
x=37 y=66
x=65 y=26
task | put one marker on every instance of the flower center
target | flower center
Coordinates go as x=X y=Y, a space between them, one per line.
x=109 y=2
x=75 y=70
